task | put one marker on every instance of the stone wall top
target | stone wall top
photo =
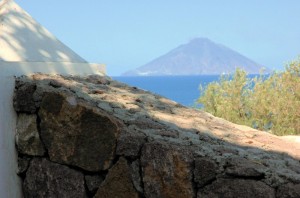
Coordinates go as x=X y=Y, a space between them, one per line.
x=121 y=141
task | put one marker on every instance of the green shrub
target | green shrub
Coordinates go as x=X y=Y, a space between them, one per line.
x=266 y=103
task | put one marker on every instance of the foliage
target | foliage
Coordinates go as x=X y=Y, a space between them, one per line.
x=270 y=103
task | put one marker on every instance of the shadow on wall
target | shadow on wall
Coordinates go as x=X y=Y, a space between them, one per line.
x=176 y=151
x=22 y=39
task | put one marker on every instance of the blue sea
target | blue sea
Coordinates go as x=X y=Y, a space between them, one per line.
x=182 y=89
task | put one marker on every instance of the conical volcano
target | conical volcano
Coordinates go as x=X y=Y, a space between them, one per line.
x=200 y=56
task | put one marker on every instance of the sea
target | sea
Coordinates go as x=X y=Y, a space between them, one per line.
x=182 y=89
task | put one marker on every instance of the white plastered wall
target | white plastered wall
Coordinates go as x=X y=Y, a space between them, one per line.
x=26 y=47
x=23 y=39
x=10 y=185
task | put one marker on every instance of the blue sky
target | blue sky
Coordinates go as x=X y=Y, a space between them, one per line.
x=127 y=34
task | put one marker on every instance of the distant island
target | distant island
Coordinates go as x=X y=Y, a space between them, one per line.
x=200 y=56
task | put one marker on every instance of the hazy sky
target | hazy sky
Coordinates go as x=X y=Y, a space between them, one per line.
x=127 y=34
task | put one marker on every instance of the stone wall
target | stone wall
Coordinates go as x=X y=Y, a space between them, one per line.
x=95 y=137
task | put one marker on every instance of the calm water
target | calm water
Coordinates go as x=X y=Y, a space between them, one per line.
x=182 y=89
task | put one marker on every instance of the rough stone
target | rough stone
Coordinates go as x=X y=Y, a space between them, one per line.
x=23 y=98
x=166 y=170
x=93 y=182
x=205 y=171
x=47 y=179
x=145 y=145
x=144 y=122
x=105 y=107
x=241 y=167
x=288 y=191
x=135 y=175
x=77 y=135
x=23 y=164
x=96 y=79
x=118 y=182
x=130 y=144
x=27 y=137
x=230 y=188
